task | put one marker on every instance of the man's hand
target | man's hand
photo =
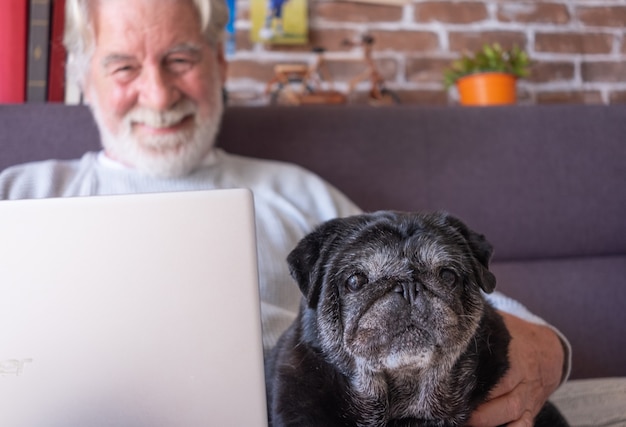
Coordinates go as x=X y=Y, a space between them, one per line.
x=536 y=357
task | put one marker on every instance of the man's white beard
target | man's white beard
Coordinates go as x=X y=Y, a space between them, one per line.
x=172 y=155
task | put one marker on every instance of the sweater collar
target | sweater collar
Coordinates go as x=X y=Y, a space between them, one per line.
x=110 y=163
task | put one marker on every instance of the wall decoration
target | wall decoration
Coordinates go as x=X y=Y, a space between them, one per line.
x=279 y=21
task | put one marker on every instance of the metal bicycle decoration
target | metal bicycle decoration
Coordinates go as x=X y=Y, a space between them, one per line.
x=296 y=84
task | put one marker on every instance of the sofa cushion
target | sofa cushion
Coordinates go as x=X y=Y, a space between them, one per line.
x=593 y=402
x=582 y=297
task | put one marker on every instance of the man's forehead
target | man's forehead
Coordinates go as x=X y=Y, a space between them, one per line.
x=110 y=55
x=137 y=24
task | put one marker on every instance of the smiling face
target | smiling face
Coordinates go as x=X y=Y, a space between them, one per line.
x=154 y=85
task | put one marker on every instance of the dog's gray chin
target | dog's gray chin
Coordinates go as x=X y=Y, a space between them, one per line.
x=398 y=352
x=394 y=350
x=407 y=359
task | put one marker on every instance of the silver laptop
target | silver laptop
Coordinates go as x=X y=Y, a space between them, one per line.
x=136 y=310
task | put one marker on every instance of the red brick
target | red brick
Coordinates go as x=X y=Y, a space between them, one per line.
x=246 y=97
x=341 y=11
x=543 y=72
x=472 y=41
x=242 y=11
x=534 y=12
x=582 y=43
x=617 y=97
x=571 y=97
x=405 y=41
x=331 y=39
x=346 y=70
x=342 y=70
x=450 y=12
x=251 y=69
x=361 y=97
x=388 y=68
x=603 y=71
x=425 y=70
x=423 y=97
x=614 y=16
x=524 y=97
x=242 y=40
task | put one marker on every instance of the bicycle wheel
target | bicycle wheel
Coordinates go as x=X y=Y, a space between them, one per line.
x=289 y=93
x=384 y=97
x=391 y=96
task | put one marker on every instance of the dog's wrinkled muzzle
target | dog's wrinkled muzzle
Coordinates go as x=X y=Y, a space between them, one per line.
x=410 y=291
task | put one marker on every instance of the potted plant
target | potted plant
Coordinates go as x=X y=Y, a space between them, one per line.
x=489 y=76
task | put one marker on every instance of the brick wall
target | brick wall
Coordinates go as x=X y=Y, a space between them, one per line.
x=578 y=47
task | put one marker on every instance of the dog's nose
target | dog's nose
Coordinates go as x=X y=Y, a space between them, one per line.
x=409 y=290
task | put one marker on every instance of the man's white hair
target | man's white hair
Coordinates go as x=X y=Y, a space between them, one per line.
x=79 y=39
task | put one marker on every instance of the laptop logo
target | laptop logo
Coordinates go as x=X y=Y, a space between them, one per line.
x=13 y=367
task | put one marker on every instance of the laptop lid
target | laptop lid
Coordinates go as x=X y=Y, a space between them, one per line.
x=134 y=310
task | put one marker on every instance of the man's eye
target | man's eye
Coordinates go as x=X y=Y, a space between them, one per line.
x=123 y=69
x=179 y=65
x=123 y=73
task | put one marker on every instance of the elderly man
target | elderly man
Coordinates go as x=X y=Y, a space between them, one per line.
x=152 y=72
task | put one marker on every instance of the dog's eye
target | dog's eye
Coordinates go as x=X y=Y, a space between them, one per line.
x=356 y=281
x=448 y=276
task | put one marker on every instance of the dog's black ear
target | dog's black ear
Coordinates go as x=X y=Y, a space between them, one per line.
x=481 y=249
x=306 y=260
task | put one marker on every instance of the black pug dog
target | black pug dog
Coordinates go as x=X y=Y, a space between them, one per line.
x=393 y=329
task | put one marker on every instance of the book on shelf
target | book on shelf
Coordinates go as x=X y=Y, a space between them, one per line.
x=38 y=51
x=56 y=71
x=32 y=55
x=13 y=18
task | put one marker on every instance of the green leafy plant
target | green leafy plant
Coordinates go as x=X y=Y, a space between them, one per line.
x=491 y=58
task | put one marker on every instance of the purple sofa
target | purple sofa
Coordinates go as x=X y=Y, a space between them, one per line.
x=545 y=184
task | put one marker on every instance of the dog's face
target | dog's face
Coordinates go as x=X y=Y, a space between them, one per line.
x=388 y=291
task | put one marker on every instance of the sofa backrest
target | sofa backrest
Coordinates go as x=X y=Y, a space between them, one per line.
x=554 y=175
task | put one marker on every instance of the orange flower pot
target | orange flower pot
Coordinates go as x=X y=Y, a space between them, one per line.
x=487 y=89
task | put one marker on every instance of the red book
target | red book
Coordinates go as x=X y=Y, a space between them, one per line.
x=13 y=24
x=56 y=71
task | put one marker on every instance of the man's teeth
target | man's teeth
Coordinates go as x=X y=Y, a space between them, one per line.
x=160 y=124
